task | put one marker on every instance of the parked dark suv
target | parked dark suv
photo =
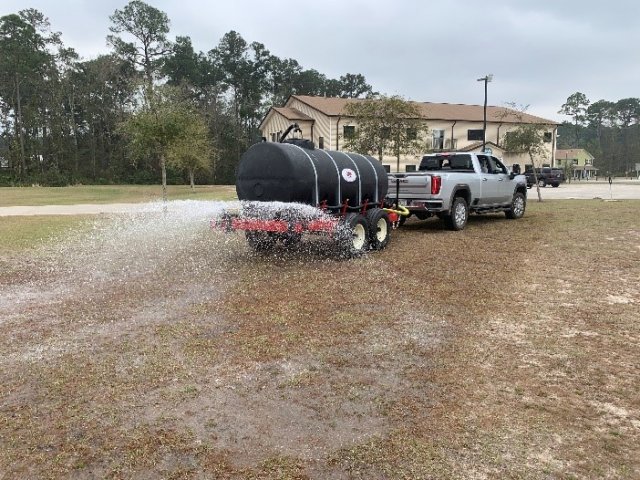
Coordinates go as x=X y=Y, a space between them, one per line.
x=546 y=176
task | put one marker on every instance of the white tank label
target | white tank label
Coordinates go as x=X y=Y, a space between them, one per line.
x=349 y=175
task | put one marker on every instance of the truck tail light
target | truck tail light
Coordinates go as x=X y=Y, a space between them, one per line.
x=436 y=183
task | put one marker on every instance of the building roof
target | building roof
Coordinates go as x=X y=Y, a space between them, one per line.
x=292 y=113
x=333 y=106
x=573 y=153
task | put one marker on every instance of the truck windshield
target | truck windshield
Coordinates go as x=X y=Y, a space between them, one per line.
x=458 y=161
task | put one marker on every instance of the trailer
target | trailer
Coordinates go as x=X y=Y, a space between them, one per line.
x=290 y=188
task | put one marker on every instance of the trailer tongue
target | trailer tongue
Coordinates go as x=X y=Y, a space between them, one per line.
x=335 y=194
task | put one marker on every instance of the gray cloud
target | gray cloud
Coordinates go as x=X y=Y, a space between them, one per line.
x=539 y=51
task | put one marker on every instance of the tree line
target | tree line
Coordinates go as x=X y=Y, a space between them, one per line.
x=151 y=104
x=609 y=130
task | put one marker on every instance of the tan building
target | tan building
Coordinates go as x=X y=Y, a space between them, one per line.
x=450 y=127
x=577 y=162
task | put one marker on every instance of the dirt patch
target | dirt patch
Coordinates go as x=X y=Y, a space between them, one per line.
x=164 y=350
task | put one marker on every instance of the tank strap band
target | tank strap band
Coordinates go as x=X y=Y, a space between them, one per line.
x=375 y=173
x=315 y=171
x=339 y=196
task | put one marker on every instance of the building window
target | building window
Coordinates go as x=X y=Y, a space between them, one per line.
x=321 y=143
x=273 y=137
x=475 y=134
x=410 y=168
x=451 y=143
x=387 y=168
x=278 y=136
x=349 y=131
x=547 y=137
x=412 y=133
x=438 y=139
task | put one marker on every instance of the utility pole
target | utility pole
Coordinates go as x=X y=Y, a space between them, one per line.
x=486 y=79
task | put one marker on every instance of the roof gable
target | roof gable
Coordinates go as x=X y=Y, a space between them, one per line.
x=573 y=153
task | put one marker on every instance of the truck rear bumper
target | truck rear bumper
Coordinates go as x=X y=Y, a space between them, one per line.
x=433 y=206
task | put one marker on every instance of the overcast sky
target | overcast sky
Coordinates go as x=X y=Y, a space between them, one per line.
x=539 y=51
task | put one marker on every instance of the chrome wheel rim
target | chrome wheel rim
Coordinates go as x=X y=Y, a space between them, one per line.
x=518 y=206
x=460 y=214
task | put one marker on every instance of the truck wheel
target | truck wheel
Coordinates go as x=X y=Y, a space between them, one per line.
x=353 y=236
x=379 y=228
x=518 y=205
x=260 y=241
x=458 y=216
x=555 y=185
x=542 y=183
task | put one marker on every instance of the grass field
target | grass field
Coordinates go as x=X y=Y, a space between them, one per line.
x=507 y=350
x=10 y=196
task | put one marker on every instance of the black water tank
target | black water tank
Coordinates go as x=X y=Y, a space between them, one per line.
x=287 y=172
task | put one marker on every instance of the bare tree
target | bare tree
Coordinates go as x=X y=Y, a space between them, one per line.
x=527 y=138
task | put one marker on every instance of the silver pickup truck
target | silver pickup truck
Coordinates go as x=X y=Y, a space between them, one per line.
x=450 y=185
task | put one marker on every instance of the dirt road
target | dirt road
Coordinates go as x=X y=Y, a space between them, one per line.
x=620 y=190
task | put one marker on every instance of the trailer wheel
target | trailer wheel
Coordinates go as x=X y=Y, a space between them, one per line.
x=260 y=241
x=353 y=236
x=290 y=239
x=459 y=214
x=379 y=228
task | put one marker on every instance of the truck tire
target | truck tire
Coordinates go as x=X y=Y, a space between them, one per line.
x=542 y=183
x=379 y=228
x=518 y=205
x=555 y=185
x=458 y=216
x=352 y=236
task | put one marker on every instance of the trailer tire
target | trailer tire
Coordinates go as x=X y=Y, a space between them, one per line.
x=291 y=239
x=457 y=217
x=260 y=241
x=379 y=228
x=352 y=236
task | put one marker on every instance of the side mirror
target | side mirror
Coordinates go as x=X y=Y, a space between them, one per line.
x=512 y=175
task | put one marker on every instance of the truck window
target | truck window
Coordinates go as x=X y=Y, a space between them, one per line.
x=460 y=161
x=496 y=166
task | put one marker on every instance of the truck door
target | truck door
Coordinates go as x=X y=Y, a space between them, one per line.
x=505 y=186
x=490 y=183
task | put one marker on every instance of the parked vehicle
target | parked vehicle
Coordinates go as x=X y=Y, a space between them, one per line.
x=451 y=185
x=545 y=176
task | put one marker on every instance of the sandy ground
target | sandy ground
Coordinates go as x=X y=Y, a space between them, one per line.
x=148 y=347
x=619 y=190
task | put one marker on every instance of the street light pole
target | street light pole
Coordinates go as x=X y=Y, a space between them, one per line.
x=486 y=79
